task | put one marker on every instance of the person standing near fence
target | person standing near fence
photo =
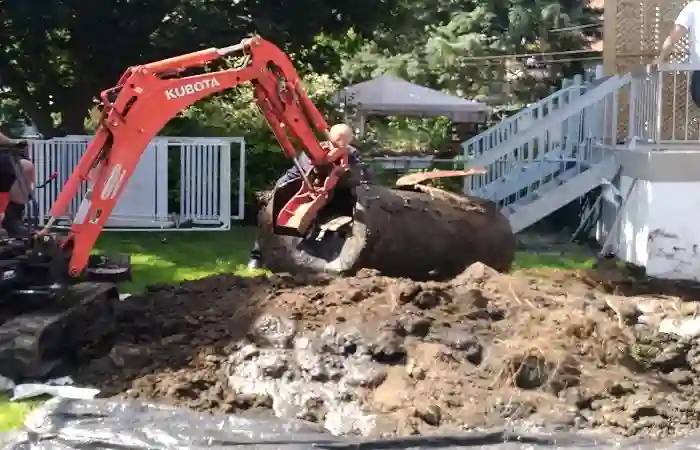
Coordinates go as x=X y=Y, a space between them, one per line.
x=687 y=23
x=341 y=136
x=14 y=192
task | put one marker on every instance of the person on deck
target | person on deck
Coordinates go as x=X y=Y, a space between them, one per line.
x=687 y=23
x=14 y=192
x=341 y=136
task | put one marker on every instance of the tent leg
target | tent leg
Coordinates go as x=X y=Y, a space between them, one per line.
x=361 y=125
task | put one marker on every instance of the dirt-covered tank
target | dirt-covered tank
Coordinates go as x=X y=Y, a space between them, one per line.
x=418 y=232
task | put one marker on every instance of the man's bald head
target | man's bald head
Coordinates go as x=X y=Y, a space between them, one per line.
x=341 y=135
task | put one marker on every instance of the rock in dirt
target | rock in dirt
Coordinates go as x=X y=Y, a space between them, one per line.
x=367 y=355
x=430 y=414
x=428 y=234
x=275 y=331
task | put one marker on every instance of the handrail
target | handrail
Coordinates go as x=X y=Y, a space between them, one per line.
x=518 y=116
x=592 y=97
x=675 y=67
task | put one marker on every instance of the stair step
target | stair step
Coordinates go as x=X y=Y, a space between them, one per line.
x=569 y=111
x=554 y=195
x=524 y=177
x=545 y=188
x=525 y=119
x=565 y=139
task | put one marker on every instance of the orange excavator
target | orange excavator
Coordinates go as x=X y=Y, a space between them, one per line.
x=54 y=295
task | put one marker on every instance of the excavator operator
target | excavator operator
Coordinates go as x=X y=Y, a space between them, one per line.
x=341 y=136
x=15 y=192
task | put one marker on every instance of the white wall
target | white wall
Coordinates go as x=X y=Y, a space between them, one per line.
x=674 y=231
x=660 y=229
x=632 y=240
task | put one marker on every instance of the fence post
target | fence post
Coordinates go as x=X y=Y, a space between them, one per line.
x=225 y=183
x=241 y=180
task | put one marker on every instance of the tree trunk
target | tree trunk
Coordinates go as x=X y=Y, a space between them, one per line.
x=421 y=234
x=73 y=120
x=75 y=109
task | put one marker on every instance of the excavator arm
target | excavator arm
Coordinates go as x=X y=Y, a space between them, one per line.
x=149 y=95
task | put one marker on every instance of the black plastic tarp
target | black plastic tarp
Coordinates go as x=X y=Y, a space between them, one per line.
x=102 y=424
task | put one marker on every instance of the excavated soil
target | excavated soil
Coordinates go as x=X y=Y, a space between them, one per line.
x=380 y=356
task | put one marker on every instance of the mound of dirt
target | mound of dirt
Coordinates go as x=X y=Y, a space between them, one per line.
x=381 y=356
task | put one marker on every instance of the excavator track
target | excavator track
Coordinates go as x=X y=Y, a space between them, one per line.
x=74 y=323
x=48 y=321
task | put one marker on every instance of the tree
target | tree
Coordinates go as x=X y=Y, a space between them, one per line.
x=10 y=116
x=57 y=55
x=463 y=46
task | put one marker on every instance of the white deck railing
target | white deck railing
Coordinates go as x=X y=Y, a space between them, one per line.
x=179 y=183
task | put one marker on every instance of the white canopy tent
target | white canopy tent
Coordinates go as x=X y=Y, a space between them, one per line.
x=390 y=95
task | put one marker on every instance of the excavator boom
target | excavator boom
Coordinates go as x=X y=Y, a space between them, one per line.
x=149 y=95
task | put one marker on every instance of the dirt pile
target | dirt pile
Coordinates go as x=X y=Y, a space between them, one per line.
x=382 y=356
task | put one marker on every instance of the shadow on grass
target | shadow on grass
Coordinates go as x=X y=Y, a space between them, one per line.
x=173 y=257
x=617 y=277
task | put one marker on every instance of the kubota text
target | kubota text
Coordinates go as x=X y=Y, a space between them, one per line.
x=191 y=88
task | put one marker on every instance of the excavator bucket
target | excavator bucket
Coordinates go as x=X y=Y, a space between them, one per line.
x=421 y=177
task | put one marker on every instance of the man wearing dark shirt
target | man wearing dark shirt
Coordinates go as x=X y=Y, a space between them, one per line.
x=14 y=192
x=341 y=136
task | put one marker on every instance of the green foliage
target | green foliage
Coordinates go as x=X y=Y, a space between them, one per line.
x=11 y=118
x=236 y=114
x=57 y=55
x=405 y=135
x=462 y=47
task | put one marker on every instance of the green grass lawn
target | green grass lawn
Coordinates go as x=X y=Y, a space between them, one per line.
x=12 y=414
x=172 y=257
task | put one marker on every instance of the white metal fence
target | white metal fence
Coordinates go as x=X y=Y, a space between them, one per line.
x=179 y=183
